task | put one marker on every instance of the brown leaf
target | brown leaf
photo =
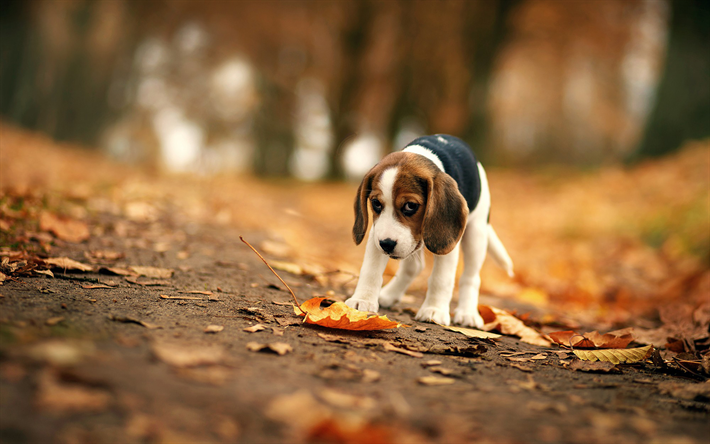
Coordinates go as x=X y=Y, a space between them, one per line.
x=152 y=272
x=63 y=228
x=334 y=338
x=473 y=333
x=614 y=339
x=66 y=264
x=441 y=370
x=389 y=347
x=54 y=321
x=214 y=328
x=280 y=348
x=181 y=355
x=508 y=324
x=338 y=315
x=254 y=328
x=94 y=286
x=44 y=272
x=616 y=356
x=431 y=363
x=435 y=380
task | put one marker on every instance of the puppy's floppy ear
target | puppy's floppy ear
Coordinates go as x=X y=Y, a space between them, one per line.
x=361 y=217
x=446 y=214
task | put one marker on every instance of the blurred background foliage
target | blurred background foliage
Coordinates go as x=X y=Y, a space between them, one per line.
x=322 y=89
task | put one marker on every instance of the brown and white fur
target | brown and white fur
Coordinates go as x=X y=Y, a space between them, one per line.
x=414 y=179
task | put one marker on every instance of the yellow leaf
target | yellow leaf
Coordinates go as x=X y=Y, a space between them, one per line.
x=615 y=356
x=339 y=315
x=473 y=333
x=67 y=264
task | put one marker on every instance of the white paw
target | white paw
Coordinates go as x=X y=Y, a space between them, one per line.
x=362 y=305
x=468 y=318
x=434 y=314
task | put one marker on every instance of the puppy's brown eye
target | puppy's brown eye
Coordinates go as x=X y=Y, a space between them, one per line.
x=376 y=206
x=410 y=208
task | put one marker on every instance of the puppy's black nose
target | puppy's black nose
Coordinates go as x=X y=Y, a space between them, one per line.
x=388 y=245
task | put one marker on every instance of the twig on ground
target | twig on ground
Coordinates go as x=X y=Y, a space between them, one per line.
x=275 y=273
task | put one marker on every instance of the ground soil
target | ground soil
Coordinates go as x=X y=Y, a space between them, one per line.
x=127 y=364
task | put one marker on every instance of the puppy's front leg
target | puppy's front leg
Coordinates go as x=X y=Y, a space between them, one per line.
x=368 y=285
x=409 y=269
x=441 y=287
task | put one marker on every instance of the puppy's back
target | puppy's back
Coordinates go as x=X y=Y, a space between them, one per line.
x=457 y=160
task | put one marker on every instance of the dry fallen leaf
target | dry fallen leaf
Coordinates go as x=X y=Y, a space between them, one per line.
x=254 y=328
x=214 y=328
x=339 y=315
x=435 y=380
x=152 y=272
x=615 y=339
x=506 y=323
x=64 y=228
x=280 y=348
x=66 y=264
x=54 y=321
x=473 y=333
x=180 y=355
x=94 y=286
x=44 y=272
x=615 y=356
x=431 y=363
x=389 y=347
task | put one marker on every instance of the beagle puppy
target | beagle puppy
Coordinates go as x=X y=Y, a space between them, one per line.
x=432 y=194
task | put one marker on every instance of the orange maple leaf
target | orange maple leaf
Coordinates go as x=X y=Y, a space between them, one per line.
x=339 y=315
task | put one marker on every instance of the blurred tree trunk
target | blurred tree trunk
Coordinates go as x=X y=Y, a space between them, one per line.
x=353 y=48
x=489 y=40
x=682 y=108
x=273 y=129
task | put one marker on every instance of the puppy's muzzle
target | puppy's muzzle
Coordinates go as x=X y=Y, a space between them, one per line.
x=388 y=245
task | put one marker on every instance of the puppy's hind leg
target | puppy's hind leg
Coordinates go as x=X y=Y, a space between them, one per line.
x=474 y=245
x=408 y=270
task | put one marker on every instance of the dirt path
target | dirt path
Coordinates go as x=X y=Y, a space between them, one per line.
x=78 y=367
x=204 y=346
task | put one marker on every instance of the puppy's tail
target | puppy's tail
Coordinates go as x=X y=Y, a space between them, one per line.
x=498 y=252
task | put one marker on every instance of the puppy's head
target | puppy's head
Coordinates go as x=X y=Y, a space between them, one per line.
x=413 y=204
